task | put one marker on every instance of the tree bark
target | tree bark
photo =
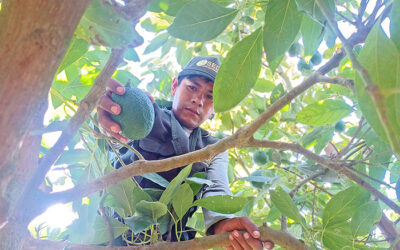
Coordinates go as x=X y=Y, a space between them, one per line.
x=33 y=40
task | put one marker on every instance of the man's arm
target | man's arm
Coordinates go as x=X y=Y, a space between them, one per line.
x=217 y=173
x=217 y=223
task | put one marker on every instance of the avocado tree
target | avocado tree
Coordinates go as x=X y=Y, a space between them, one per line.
x=305 y=103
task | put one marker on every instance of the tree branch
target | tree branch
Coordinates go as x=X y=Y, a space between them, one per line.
x=86 y=106
x=370 y=85
x=339 y=167
x=280 y=238
x=346 y=149
x=304 y=181
x=141 y=167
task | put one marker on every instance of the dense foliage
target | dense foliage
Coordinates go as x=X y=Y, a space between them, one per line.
x=267 y=48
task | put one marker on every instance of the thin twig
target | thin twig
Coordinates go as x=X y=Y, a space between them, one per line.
x=339 y=167
x=346 y=149
x=369 y=177
x=311 y=182
x=370 y=85
x=119 y=159
x=304 y=181
x=346 y=18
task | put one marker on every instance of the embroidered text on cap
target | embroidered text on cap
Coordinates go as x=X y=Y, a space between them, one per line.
x=208 y=64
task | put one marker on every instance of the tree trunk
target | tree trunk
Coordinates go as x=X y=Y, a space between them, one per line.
x=33 y=39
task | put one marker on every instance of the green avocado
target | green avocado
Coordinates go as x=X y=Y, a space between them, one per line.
x=137 y=113
x=340 y=126
x=302 y=65
x=260 y=157
x=316 y=58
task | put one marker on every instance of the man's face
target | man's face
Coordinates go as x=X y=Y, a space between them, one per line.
x=193 y=101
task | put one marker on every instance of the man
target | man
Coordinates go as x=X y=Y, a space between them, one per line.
x=176 y=132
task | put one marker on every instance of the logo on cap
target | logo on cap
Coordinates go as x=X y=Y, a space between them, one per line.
x=208 y=64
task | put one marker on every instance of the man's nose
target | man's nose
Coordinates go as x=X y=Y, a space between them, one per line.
x=198 y=99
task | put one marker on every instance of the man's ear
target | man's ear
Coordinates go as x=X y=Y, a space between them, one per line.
x=174 y=85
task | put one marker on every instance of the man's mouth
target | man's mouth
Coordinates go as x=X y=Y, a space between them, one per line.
x=193 y=111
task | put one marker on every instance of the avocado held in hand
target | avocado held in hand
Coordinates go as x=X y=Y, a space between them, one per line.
x=137 y=113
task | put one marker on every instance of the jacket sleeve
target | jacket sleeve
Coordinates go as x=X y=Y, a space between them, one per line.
x=217 y=172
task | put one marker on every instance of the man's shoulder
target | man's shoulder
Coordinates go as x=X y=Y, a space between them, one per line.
x=207 y=137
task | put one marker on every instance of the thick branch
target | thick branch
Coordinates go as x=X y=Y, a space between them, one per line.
x=86 y=106
x=142 y=167
x=280 y=238
x=33 y=40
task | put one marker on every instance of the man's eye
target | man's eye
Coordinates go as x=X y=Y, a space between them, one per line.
x=210 y=97
x=192 y=87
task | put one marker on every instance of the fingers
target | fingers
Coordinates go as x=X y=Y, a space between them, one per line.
x=106 y=104
x=250 y=227
x=269 y=245
x=244 y=241
x=115 y=87
x=253 y=242
x=109 y=126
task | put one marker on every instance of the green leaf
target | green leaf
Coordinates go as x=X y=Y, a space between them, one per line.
x=365 y=218
x=343 y=205
x=312 y=33
x=138 y=223
x=323 y=112
x=76 y=49
x=131 y=55
x=156 y=178
x=124 y=76
x=318 y=137
x=224 y=204
x=153 y=209
x=173 y=185
x=183 y=200
x=96 y=233
x=174 y=6
x=72 y=89
x=201 y=20
x=384 y=70
x=101 y=231
x=395 y=23
x=74 y=156
x=238 y=72
x=127 y=194
x=123 y=194
x=201 y=181
x=102 y=25
x=339 y=239
x=311 y=8
x=285 y=204
x=324 y=139
x=282 y=24
x=264 y=85
x=156 y=43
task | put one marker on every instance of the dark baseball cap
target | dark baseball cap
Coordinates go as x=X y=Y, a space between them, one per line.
x=206 y=66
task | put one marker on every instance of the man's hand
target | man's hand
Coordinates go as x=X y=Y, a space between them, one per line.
x=107 y=106
x=248 y=240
